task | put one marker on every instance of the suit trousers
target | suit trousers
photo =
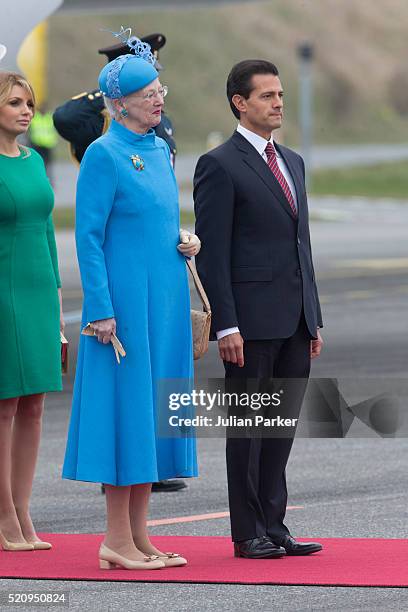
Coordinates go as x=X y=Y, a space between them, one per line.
x=256 y=463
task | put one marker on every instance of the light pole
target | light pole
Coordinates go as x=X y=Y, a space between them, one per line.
x=305 y=55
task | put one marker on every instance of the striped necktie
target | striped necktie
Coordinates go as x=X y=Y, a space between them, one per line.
x=273 y=165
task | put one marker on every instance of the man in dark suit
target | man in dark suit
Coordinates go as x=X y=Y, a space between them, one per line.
x=256 y=267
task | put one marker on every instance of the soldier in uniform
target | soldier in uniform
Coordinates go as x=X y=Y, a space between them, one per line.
x=84 y=118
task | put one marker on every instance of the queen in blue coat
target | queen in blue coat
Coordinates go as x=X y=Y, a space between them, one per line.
x=135 y=285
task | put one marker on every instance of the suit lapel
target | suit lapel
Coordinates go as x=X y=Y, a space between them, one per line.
x=252 y=158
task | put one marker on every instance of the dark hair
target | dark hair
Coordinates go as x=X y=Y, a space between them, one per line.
x=240 y=79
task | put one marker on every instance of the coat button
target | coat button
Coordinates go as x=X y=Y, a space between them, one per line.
x=298 y=240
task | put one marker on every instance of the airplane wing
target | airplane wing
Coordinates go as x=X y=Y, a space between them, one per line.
x=116 y=6
x=19 y=17
x=17 y=20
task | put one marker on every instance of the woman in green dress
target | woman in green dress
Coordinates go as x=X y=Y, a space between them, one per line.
x=30 y=312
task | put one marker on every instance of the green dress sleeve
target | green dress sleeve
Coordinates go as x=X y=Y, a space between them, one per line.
x=53 y=249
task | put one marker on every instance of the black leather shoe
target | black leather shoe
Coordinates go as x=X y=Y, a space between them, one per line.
x=298 y=548
x=168 y=486
x=258 y=548
x=164 y=486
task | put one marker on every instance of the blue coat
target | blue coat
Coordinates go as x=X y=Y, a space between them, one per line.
x=127 y=231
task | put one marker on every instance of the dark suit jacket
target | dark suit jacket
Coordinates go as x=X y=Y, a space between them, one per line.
x=255 y=262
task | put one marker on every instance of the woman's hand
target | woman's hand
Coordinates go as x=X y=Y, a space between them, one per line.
x=104 y=328
x=62 y=322
x=190 y=244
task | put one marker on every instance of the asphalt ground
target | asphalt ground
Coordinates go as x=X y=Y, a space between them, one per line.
x=352 y=487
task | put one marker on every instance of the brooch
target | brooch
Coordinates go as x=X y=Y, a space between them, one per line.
x=137 y=162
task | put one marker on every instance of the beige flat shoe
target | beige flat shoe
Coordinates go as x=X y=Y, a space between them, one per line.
x=171 y=559
x=41 y=545
x=109 y=559
x=14 y=546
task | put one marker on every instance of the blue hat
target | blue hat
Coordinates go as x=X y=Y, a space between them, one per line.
x=126 y=74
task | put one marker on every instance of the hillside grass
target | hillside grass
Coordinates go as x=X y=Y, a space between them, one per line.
x=388 y=180
x=358 y=52
x=64 y=218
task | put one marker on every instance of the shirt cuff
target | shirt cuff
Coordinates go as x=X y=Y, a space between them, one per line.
x=227 y=332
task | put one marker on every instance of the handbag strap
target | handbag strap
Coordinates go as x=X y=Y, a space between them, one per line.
x=198 y=285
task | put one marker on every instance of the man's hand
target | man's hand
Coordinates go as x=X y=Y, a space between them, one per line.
x=316 y=346
x=104 y=329
x=231 y=349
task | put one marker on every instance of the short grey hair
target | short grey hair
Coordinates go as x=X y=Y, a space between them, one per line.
x=110 y=107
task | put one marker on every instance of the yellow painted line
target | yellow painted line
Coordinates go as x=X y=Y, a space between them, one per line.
x=356 y=273
x=359 y=295
x=347 y=295
x=362 y=294
x=199 y=517
x=388 y=263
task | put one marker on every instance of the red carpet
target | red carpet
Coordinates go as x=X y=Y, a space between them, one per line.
x=343 y=562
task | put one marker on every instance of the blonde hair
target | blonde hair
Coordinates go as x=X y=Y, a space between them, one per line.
x=8 y=80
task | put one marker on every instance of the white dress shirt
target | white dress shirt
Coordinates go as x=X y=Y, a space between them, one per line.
x=259 y=144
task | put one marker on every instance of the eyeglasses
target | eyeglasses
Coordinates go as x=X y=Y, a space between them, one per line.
x=163 y=91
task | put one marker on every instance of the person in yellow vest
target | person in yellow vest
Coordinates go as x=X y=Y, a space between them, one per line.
x=43 y=136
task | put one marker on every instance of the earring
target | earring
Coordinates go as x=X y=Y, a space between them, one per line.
x=123 y=112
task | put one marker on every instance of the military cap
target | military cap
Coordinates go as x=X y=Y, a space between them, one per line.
x=156 y=42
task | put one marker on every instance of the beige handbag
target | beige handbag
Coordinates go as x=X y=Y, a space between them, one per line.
x=200 y=321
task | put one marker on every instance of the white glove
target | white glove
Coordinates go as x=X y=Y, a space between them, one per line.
x=190 y=243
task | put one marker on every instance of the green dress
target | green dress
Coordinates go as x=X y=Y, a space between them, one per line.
x=30 y=349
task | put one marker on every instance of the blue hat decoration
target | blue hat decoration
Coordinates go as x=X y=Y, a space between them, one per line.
x=131 y=72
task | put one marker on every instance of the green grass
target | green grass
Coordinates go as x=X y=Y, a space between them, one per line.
x=388 y=180
x=187 y=218
x=358 y=53
x=64 y=218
